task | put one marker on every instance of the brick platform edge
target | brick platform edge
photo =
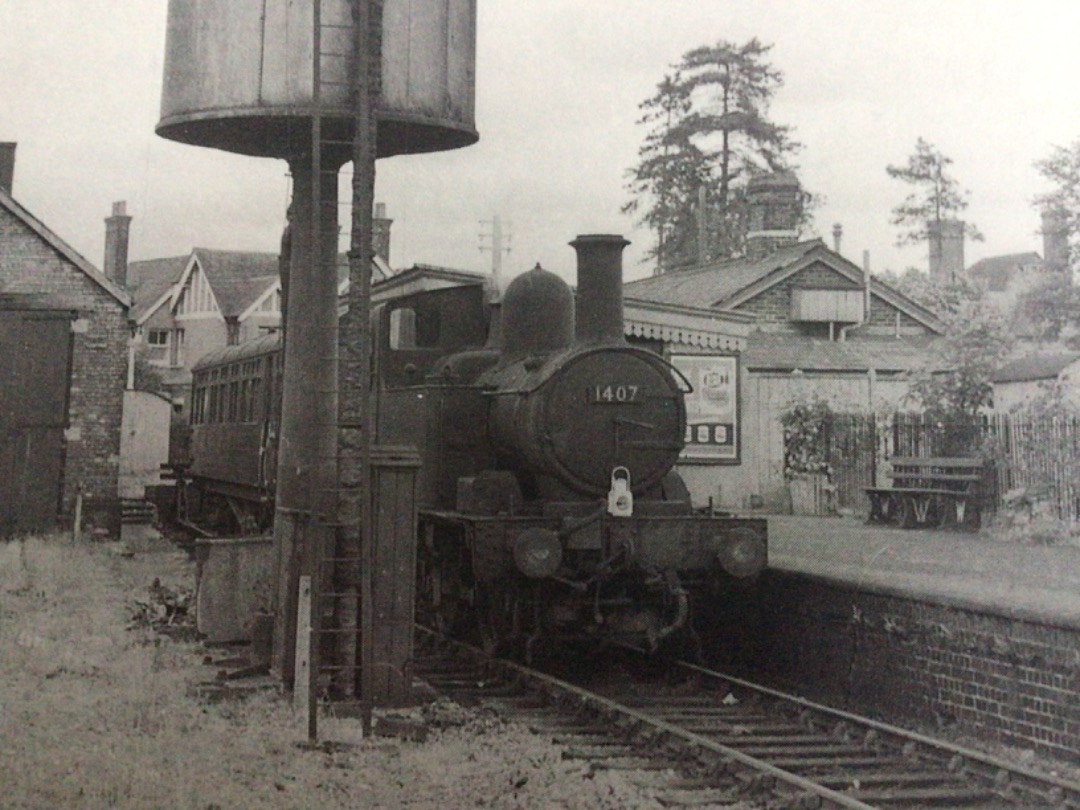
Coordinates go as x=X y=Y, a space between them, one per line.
x=1013 y=680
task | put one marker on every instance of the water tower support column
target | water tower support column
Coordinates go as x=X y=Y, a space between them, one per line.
x=307 y=453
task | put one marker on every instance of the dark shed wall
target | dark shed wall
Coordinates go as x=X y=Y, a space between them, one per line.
x=98 y=365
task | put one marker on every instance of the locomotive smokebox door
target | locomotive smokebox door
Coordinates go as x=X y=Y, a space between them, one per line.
x=620 y=500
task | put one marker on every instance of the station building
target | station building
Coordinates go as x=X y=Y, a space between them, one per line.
x=820 y=327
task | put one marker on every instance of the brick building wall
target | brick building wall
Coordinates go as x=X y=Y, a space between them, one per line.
x=28 y=264
x=1010 y=679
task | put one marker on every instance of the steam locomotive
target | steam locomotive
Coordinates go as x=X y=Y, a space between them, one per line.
x=549 y=506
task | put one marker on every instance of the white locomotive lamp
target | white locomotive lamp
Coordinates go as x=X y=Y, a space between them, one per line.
x=620 y=500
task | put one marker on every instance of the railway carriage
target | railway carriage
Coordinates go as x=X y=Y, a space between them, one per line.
x=226 y=469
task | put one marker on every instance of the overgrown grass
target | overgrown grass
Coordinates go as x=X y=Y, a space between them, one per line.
x=96 y=715
x=1032 y=529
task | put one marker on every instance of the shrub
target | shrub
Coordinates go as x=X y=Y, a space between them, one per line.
x=807 y=424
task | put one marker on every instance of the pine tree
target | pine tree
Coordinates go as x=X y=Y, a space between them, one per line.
x=708 y=133
x=937 y=196
x=1062 y=170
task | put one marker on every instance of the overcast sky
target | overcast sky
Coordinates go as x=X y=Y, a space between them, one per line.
x=991 y=84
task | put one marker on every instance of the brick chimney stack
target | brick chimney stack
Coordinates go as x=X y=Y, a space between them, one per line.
x=117 y=228
x=837 y=233
x=775 y=204
x=1055 y=234
x=7 y=165
x=946 y=238
x=380 y=236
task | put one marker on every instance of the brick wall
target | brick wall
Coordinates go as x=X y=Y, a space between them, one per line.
x=98 y=368
x=1008 y=679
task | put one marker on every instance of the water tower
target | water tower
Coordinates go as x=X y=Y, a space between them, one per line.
x=276 y=78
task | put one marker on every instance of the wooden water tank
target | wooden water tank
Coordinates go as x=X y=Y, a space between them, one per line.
x=239 y=75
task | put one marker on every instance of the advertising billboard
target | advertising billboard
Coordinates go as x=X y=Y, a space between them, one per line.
x=712 y=409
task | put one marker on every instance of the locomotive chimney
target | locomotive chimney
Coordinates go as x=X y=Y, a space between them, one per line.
x=599 y=312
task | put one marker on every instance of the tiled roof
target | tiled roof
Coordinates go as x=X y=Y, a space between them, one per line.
x=784 y=353
x=995 y=272
x=1035 y=367
x=714 y=284
x=237 y=278
x=148 y=280
x=728 y=284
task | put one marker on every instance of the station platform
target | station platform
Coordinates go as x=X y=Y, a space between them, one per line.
x=968 y=570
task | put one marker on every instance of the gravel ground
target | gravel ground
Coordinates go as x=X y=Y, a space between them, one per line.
x=97 y=713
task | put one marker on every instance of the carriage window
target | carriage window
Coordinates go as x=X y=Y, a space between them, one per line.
x=403 y=329
x=412 y=329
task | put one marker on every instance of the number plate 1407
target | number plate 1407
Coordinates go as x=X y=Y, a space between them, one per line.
x=612 y=394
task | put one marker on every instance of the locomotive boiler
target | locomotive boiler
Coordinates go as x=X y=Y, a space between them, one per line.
x=550 y=509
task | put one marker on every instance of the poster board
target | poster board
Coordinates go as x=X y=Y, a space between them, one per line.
x=712 y=409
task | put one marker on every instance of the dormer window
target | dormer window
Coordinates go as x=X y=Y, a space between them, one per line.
x=827 y=305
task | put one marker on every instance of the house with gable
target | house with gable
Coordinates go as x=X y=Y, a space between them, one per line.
x=1005 y=278
x=822 y=327
x=188 y=306
x=63 y=367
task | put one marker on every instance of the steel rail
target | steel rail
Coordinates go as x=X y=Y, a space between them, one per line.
x=993 y=767
x=728 y=754
x=1010 y=783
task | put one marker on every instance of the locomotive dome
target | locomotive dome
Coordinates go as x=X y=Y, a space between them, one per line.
x=537 y=314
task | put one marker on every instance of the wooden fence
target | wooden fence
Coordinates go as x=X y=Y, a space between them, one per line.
x=1035 y=458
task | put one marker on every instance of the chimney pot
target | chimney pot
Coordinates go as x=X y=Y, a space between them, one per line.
x=837 y=232
x=774 y=204
x=946 y=249
x=7 y=165
x=380 y=232
x=117 y=229
x=1055 y=234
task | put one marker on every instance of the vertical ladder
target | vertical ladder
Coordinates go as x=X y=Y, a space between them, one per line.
x=323 y=626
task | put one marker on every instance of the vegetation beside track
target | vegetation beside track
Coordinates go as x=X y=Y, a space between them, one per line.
x=97 y=711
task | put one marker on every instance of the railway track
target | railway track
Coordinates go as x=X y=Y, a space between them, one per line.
x=717 y=740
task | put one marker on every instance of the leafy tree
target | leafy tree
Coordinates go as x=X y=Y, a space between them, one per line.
x=937 y=195
x=1062 y=169
x=943 y=298
x=708 y=133
x=147 y=376
x=955 y=382
x=1049 y=310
